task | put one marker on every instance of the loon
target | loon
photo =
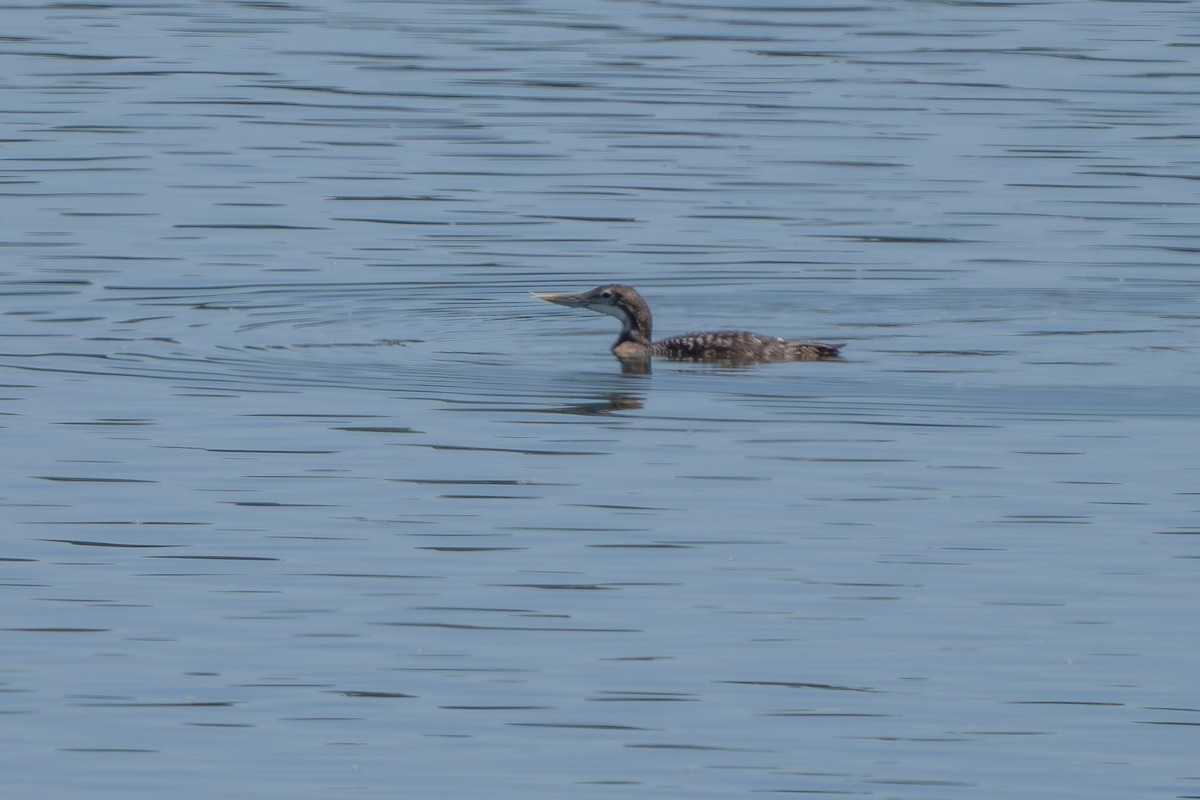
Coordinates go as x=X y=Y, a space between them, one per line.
x=634 y=342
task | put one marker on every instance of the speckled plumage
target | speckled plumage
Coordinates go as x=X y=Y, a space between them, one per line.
x=734 y=345
x=634 y=341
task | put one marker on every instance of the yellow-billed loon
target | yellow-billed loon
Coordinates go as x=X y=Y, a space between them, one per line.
x=634 y=342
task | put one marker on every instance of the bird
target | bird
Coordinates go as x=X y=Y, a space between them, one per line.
x=634 y=343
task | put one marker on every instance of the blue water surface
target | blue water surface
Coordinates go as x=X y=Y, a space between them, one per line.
x=305 y=496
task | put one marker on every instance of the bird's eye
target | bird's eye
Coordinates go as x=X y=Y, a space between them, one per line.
x=606 y=295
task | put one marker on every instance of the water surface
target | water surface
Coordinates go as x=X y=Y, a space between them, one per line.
x=305 y=496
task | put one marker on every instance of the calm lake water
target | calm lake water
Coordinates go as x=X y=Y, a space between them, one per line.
x=305 y=497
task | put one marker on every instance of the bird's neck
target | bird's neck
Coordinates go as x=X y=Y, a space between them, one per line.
x=636 y=328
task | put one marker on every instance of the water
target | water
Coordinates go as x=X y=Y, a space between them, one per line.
x=305 y=496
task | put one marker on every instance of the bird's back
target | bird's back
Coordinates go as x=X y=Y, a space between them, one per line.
x=741 y=346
